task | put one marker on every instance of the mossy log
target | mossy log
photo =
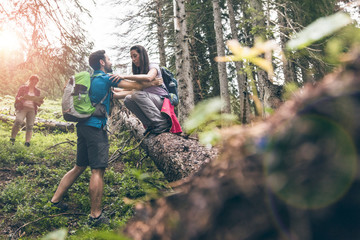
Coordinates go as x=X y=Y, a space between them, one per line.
x=175 y=155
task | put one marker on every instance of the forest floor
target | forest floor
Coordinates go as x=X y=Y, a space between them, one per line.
x=29 y=176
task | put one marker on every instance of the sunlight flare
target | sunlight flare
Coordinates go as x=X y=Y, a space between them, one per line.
x=9 y=40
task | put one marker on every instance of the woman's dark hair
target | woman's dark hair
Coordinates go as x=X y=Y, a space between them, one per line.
x=144 y=60
x=94 y=59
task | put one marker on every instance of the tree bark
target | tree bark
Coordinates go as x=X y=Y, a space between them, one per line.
x=160 y=32
x=43 y=123
x=220 y=46
x=240 y=75
x=258 y=21
x=183 y=67
x=269 y=94
x=288 y=65
x=297 y=170
x=174 y=155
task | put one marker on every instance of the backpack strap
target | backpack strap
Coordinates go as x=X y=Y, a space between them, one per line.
x=103 y=99
x=106 y=126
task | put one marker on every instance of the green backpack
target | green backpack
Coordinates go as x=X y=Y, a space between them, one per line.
x=76 y=104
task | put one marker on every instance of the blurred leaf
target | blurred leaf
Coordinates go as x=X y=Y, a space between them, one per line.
x=210 y=137
x=319 y=29
x=290 y=89
x=56 y=235
x=251 y=54
x=203 y=112
x=109 y=236
x=264 y=64
x=207 y=119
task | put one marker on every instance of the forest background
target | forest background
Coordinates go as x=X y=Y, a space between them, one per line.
x=52 y=40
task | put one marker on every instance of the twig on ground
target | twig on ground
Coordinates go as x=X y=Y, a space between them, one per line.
x=139 y=163
x=119 y=153
x=71 y=142
x=7 y=169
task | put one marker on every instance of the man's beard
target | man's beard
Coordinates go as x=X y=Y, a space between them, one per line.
x=108 y=69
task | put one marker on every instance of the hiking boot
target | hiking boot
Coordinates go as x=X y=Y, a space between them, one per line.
x=12 y=140
x=100 y=220
x=27 y=144
x=60 y=206
x=161 y=129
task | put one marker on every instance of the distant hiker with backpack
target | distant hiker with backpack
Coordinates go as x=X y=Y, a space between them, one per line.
x=27 y=102
x=147 y=104
x=92 y=142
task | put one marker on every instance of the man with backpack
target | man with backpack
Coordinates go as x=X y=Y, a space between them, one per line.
x=92 y=142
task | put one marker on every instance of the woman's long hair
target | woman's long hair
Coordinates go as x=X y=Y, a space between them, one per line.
x=144 y=60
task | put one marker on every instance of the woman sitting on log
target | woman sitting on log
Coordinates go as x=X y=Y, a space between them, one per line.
x=145 y=104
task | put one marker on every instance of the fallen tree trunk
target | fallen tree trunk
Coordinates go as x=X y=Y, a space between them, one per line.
x=176 y=156
x=295 y=176
x=49 y=125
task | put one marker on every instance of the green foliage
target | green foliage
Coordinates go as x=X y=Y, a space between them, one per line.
x=346 y=39
x=56 y=235
x=99 y=235
x=319 y=29
x=307 y=11
x=290 y=89
x=206 y=120
x=13 y=193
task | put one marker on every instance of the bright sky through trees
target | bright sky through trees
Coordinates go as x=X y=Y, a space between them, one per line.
x=9 y=40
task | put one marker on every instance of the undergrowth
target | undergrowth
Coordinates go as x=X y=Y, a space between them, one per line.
x=30 y=176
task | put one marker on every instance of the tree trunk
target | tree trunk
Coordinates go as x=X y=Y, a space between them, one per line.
x=240 y=76
x=176 y=156
x=43 y=123
x=160 y=32
x=268 y=93
x=258 y=21
x=306 y=72
x=220 y=46
x=297 y=170
x=288 y=69
x=183 y=66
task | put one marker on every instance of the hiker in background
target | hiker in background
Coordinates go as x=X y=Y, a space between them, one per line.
x=27 y=102
x=146 y=104
x=92 y=141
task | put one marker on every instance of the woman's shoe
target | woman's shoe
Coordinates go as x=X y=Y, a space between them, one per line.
x=161 y=129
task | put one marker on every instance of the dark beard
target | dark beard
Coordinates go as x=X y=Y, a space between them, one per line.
x=108 y=70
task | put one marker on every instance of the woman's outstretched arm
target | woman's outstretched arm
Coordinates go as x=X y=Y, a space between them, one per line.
x=150 y=76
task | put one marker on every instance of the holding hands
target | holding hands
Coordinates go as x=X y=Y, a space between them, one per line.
x=157 y=81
